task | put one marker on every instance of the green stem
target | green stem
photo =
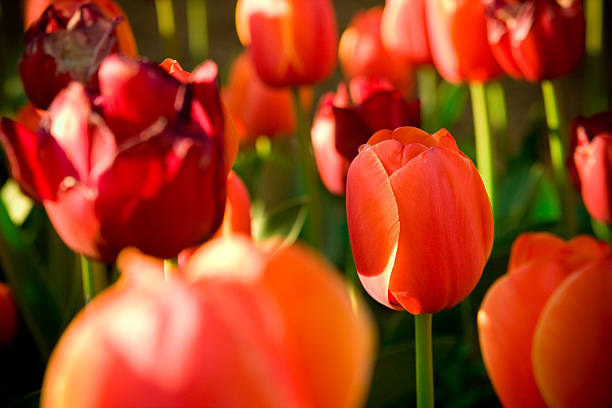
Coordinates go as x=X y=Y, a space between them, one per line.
x=602 y=230
x=197 y=26
x=594 y=14
x=88 y=279
x=484 y=143
x=427 y=88
x=166 y=27
x=424 y=361
x=594 y=26
x=314 y=223
x=557 y=147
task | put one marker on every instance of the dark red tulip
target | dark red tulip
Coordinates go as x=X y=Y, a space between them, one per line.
x=142 y=167
x=590 y=163
x=346 y=120
x=62 y=47
x=536 y=39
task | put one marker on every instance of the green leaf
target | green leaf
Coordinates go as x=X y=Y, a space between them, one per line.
x=285 y=220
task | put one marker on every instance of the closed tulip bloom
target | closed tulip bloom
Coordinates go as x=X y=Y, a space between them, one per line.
x=458 y=39
x=8 y=316
x=127 y=171
x=590 y=162
x=419 y=220
x=257 y=109
x=362 y=53
x=536 y=39
x=404 y=30
x=68 y=44
x=346 y=120
x=292 y=42
x=512 y=313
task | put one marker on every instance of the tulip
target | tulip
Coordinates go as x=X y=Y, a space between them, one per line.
x=419 y=220
x=458 y=40
x=144 y=167
x=404 y=30
x=361 y=52
x=29 y=117
x=536 y=40
x=345 y=120
x=292 y=42
x=63 y=46
x=257 y=108
x=589 y=162
x=225 y=323
x=8 y=316
x=237 y=217
x=524 y=321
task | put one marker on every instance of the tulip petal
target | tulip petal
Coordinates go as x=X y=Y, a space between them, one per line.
x=530 y=247
x=594 y=162
x=446 y=235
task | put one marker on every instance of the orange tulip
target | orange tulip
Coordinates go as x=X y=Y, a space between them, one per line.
x=517 y=336
x=458 y=40
x=231 y=323
x=8 y=316
x=362 y=53
x=292 y=42
x=237 y=218
x=257 y=108
x=29 y=117
x=419 y=219
x=404 y=30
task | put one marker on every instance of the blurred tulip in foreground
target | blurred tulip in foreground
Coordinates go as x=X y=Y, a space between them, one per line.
x=404 y=30
x=590 y=163
x=257 y=108
x=458 y=39
x=292 y=42
x=362 y=53
x=419 y=219
x=524 y=322
x=68 y=44
x=8 y=316
x=143 y=167
x=230 y=323
x=346 y=120
x=536 y=39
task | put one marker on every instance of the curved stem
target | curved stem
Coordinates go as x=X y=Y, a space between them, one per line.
x=484 y=144
x=88 y=279
x=424 y=361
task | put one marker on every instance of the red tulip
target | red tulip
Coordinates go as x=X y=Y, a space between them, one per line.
x=257 y=108
x=590 y=162
x=232 y=324
x=404 y=30
x=292 y=42
x=362 y=53
x=536 y=39
x=128 y=171
x=8 y=316
x=458 y=40
x=64 y=46
x=419 y=220
x=30 y=117
x=519 y=332
x=346 y=120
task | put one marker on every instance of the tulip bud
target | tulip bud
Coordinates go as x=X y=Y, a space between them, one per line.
x=292 y=42
x=419 y=220
x=536 y=40
x=518 y=337
x=8 y=316
x=458 y=40
x=404 y=30
x=62 y=47
x=127 y=172
x=362 y=53
x=345 y=120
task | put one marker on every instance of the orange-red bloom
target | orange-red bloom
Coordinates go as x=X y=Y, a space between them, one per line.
x=362 y=53
x=545 y=327
x=292 y=42
x=536 y=39
x=419 y=220
x=346 y=120
x=227 y=332
x=8 y=316
x=590 y=163
x=458 y=39
x=404 y=30
x=257 y=108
